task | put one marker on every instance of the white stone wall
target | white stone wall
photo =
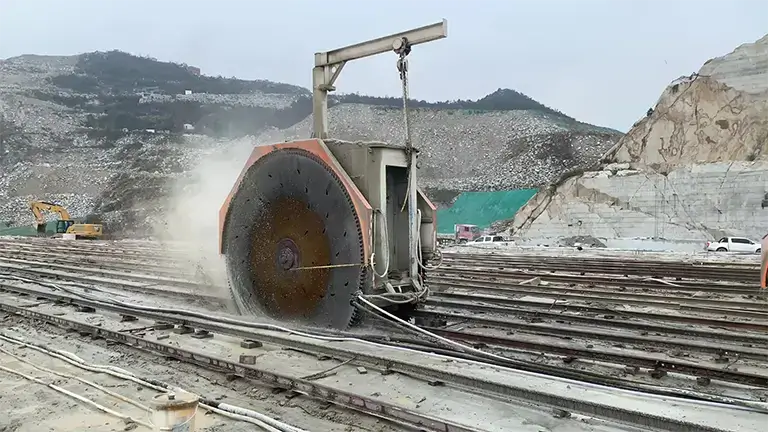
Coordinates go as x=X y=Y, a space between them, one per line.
x=745 y=69
x=694 y=202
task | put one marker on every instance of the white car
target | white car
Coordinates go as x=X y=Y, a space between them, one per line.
x=489 y=238
x=734 y=244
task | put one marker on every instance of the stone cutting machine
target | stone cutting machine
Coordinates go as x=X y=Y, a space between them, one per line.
x=312 y=224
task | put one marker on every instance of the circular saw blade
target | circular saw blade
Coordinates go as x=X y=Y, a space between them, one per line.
x=293 y=243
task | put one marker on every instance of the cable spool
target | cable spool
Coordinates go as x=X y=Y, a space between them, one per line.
x=174 y=412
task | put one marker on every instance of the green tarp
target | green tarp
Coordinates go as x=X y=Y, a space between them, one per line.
x=482 y=208
x=27 y=230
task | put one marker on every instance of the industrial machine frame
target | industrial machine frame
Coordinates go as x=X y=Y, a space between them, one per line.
x=310 y=225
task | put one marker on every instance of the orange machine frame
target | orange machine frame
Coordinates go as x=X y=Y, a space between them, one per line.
x=319 y=149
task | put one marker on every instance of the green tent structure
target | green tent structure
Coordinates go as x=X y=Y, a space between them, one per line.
x=482 y=208
x=27 y=230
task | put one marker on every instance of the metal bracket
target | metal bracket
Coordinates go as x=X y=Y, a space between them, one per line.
x=328 y=65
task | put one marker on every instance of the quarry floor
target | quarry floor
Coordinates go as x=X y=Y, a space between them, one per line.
x=666 y=251
x=32 y=407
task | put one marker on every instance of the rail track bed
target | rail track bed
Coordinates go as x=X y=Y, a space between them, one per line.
x=439 y=391
x=636 y=338
x=727 y=271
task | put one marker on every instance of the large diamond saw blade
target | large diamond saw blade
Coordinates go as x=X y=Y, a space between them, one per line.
x=293 y=242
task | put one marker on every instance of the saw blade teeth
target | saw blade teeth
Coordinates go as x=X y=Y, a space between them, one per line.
x=296 y=225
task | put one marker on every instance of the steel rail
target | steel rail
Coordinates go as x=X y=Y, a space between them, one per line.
x=655 y=316
x=703 y=345
x=590 y=280
x=136 y=277
x=149 y=288
x=601 y=355
x=219 y=302
x=149 y=282
x=92 y=245
x=375 y=362
x=607 y=260
x=611 y=317
x=409 y=342
x=163 y=272
x=550 y=264
x=439 y=280
x=744 y=275
x=754 y=309
x=107 y=258
x=396 y=414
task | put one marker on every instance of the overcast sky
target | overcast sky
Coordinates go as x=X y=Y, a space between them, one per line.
x=603 y=62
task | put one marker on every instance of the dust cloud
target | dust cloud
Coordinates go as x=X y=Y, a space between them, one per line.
x=189 y=230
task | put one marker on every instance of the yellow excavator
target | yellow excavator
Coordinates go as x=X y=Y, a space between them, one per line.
x=65 y=224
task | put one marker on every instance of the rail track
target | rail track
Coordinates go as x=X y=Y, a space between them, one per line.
x=731 y=271
x=144 y=330
x=430 y=374
x=636 y=336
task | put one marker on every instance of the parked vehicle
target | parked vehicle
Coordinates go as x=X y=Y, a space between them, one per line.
x=734 y=244
x=489 y=238
x=464 y=233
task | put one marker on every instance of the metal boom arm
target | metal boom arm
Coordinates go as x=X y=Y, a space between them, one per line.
x=328 y=66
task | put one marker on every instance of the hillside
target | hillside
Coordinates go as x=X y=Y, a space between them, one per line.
x=694 y=169
x=112 y=133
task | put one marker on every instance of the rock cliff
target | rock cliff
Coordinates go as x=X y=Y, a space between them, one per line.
x=696 y=167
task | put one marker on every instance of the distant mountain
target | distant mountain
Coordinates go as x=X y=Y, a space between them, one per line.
x=143 y=93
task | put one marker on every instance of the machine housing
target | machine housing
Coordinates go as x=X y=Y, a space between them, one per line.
x=373 y=176
x=311 y=225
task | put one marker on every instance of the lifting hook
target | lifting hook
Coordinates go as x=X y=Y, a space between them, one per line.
x=402 y=48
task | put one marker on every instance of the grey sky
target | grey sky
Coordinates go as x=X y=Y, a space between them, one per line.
x=603 y=62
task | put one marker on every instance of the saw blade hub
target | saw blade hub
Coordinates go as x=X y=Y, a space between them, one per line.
x=287 y=254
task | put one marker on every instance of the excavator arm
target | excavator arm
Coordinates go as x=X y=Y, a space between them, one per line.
x=38 y=212
x=38 y=207
x=65 y=224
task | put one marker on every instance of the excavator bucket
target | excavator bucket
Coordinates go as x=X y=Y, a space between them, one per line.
x=294 y=232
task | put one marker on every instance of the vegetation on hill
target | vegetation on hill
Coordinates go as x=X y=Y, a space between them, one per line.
x=116 y=78
x=500 y=100
x=117 y=72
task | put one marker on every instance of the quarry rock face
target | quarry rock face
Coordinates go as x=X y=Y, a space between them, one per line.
x=695 y=168
x=692 y=202
x=484 y=151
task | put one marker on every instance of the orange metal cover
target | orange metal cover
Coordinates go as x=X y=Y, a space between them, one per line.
x=426 y=200
x=319 y=149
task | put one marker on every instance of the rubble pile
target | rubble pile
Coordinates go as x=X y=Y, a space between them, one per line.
x=463 y=151
x=16 y=211
x=62 y=136
x=256 y=99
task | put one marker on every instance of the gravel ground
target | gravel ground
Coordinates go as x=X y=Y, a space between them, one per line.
x=510 y=248
x=32 y=407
